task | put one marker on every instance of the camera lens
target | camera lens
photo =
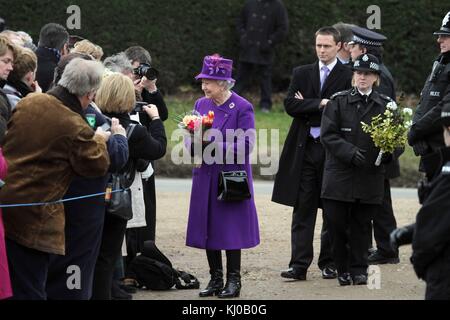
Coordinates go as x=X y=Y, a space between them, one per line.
x=151 y=73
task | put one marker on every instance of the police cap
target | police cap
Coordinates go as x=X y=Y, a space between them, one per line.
x=367 y=62
x=367 y=37
x=445 y=28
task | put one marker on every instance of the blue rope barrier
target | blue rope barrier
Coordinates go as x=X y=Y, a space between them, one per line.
x=59 y=201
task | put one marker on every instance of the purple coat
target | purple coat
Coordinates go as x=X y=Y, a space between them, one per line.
x=214 y=224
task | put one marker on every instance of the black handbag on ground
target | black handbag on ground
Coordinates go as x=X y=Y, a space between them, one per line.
x=119 y=203
x=233 y=186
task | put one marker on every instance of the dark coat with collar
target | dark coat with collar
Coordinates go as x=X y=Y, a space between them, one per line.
x=425 y=135
x=47 y=62
x=261 y=25
x=342 y=136
x=305 y=114
x=431 y=240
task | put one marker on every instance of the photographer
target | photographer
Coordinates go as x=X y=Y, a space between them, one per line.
x=147 y=91
x=116 y=99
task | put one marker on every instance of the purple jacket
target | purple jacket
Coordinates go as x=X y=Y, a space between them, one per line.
x=214 y=224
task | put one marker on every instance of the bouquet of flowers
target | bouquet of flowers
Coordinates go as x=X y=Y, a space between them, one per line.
x=193 y=122
x=389 y=130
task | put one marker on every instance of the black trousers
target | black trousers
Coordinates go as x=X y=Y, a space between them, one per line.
x=305 y=213
x=83 y=231
x=110 y=248
x=28 y=271
x=348 y=225
x=247 y=72
x=215 y=260
x=384 y=223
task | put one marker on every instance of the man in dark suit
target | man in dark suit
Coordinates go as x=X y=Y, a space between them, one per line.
x=299 y=178
x=261 y=25
x=53 y=42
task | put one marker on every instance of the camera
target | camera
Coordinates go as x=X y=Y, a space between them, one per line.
x=139 y=107
x=146 y=70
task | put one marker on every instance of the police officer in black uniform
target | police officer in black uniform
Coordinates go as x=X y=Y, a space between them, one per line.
x=367 y=41
x=430 y=235
x=353 y=187
x=425 y=135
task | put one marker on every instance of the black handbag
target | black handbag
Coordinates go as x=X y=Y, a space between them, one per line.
x=119 y=202
x=233 y=186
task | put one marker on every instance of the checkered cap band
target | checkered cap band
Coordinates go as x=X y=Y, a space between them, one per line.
x=366 y=42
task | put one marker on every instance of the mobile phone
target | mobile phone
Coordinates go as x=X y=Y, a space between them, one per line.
x=106 y=126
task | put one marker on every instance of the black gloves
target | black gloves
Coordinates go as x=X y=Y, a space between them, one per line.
x=358 y=158
x=402 y=236
x=420 y=148
x=386 y=158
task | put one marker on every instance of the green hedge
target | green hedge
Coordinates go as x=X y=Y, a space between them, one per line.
x=179 y=33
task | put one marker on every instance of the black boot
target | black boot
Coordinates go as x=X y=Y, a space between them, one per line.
x=215 y=285
x=232 y=287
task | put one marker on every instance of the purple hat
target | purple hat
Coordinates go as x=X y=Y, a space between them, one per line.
x=217 y=68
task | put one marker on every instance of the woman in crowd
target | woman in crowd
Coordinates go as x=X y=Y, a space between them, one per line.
x=213 y=224
x=353 y=186
x=87 y=47
x=22 y=80
x=116 y=99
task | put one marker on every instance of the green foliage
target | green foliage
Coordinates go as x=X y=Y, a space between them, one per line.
x=180 y=33
x=389 y=130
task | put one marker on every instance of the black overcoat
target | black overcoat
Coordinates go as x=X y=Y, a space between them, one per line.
x=261 y=25
x=342 y=136
x=305 y=113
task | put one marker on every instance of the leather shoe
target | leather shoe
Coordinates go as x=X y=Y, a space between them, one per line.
x=359 y=279
x=344 y=279
x=378 y=258
x=293 y=274
x=329 y=273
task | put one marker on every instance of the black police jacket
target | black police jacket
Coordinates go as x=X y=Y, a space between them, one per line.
x=342 y=136
x=431 y=241
x=425 y=135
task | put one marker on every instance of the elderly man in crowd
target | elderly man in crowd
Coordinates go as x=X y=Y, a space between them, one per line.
x=48 y=142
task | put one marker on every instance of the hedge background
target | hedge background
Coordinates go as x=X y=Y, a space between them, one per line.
x=179 y=33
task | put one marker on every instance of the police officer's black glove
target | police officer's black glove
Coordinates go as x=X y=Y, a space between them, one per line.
x=401 y=236
x=420 y=148
x=358 y=158
x=423 y=190
x=386 y=158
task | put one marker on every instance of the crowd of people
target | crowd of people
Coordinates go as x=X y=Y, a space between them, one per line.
x=68 y=124
x=55 y=102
